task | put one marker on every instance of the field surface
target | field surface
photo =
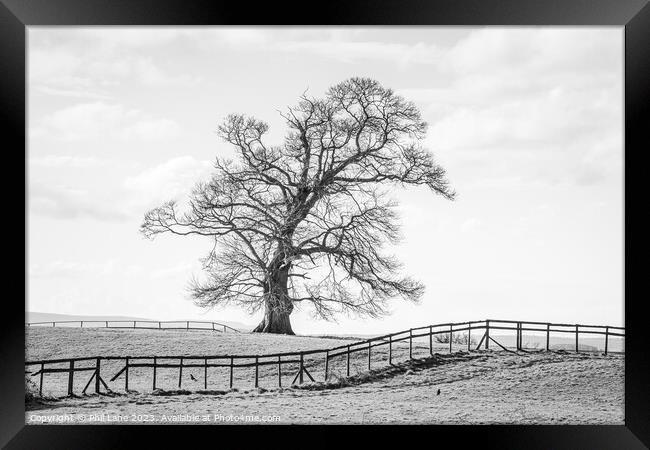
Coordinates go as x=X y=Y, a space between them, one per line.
x=475 y=387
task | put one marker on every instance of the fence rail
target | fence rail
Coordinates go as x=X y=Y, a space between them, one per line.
x=326 y=357
x=137 y=324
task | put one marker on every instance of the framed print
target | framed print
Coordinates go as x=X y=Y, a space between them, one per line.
x=381 y=215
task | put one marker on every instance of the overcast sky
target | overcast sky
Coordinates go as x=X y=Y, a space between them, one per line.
x=528 y=123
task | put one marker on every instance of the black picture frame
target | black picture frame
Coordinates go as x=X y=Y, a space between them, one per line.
x=634 y=15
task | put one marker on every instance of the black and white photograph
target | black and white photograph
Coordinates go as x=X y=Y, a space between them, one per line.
x=325 y=225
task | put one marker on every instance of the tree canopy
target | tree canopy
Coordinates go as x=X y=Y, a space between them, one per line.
x=307 y=221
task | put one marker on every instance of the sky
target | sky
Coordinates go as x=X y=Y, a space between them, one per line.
x=528 y=123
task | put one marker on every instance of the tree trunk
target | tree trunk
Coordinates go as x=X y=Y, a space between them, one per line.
x=277 y=305
x=274 y=322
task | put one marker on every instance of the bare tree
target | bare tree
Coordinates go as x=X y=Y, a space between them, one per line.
x=305 y=222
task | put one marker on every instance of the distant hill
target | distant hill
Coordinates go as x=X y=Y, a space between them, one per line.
x=236 y=325
x=616 y=344
x=33 y=316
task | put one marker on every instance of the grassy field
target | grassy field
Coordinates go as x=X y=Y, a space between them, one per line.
x=59 y=343
x=476 y=387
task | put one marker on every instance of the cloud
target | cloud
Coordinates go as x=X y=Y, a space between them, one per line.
x=67 y=203
x=58 y=269
x=101 y=120
x=88 y=62
x=78 y=93
x=553 y=117
x=539 y=105
x=182 y=268
x=562 y=50
x=59 y=71
x=171 y=180
x=149 y=74
x=349 y=52
x=152 y=130
x=77 y=162
x=341 y=44
x=130 y=37
x=234 y=36
x=72 y=269
x=470 y=225
x=54 y=65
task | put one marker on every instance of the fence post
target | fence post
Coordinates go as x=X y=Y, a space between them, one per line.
x=205 y=374
x=390 y=350
x=257 y=371
x=159 y=325
x=126 y=375
x=606 y=339
x=327 y=363
x=224 y=328
x=451 y=336
x=430 y=340
x=548 y=336
x=106 y=324
x=279 y=371
x=348 y=362
x=53 y=324
x=70 y=378
x=231 y=370
x=154 y=372
x=134 y=324
x=187 y=327
x=180 y=373
x=212 y=326
x=487 y=335
x=411 y=343
x=369 y=348
x=40 y=389
x=518 y=335
x=469 y=336
x=576 y=338
x=97 y=375
x=302 y=365
x=81 y=324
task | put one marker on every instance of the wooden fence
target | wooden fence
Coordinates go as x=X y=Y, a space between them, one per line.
x=326 y=356
x=141 y=324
